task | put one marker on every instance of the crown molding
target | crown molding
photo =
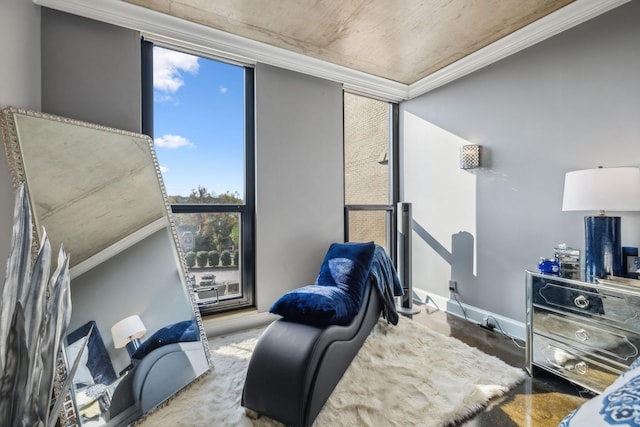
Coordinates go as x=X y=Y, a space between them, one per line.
x=204 y=40
x=563 y=19
x=178 y=32
x=118 y=247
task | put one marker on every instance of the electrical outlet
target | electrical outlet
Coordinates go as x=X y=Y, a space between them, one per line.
x=453 y=286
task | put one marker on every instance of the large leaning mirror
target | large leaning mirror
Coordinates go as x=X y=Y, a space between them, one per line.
x=98 y=192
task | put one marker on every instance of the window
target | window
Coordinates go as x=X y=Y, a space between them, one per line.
x=369 y=169
x=200 y=113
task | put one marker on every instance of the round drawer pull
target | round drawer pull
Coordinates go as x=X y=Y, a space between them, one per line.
x=581 y=368
x=582 y=335
x=581 y=301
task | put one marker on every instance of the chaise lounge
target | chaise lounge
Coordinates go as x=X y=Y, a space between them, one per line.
x=300 y=358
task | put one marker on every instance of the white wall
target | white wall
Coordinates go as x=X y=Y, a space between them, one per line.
x=19 y=87
x=299 y=178
x=570 y=102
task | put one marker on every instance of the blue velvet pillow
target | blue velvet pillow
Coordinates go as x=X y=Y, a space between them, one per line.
x=178 y=332
x=347 y=266
x=316 y=305
x=336 y=297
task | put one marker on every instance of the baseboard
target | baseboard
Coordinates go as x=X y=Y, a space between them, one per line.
x=226 y=323
x=510 y=327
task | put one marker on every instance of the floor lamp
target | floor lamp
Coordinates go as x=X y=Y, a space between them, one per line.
x=602 y=189
x=405 y=229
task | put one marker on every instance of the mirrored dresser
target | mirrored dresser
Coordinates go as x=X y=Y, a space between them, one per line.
x=585 y=332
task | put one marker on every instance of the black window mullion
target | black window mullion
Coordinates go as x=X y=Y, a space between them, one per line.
x=248 y=216
x=206 y=208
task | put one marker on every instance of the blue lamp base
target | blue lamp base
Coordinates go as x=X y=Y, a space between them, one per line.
x=132 y=346
x=603 y=248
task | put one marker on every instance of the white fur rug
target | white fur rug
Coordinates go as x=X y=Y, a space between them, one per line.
x=404 y=375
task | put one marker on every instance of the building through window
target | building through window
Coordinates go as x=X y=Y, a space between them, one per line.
x=369 y=169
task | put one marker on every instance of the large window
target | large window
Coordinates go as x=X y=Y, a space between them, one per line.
x=370 y=171
x=202 y=123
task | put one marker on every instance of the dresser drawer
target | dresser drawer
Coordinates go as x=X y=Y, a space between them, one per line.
x=608 y=305
x=619 y=346
x=572 y=364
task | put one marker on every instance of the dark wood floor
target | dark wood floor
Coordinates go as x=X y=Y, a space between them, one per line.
x=540 y=401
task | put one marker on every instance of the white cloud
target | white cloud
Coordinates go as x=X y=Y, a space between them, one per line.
x=157 y=97
x=169 y=67
x=172 y=141
x=164 y=169
x=223 y=89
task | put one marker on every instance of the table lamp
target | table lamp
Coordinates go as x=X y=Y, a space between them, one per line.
x=128 y=332
x=602 y=189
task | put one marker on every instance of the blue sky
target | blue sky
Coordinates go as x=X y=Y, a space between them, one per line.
x=198 y=123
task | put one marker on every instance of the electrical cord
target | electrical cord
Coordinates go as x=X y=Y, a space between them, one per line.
x=513 y=339
x=426 y=302
x=464 y=313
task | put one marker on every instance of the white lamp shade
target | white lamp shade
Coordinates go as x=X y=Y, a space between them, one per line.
x=127 y=330
x=610 y=189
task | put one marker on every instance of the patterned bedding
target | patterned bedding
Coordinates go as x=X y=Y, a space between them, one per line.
x=618 y=405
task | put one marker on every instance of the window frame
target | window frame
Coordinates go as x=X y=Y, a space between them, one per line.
x=394 y=186
x=246 y=211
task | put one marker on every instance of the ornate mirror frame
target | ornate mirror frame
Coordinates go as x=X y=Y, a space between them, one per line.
x=126 y=198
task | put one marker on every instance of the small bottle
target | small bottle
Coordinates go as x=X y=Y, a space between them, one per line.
x=568 y=260
x=548 y=266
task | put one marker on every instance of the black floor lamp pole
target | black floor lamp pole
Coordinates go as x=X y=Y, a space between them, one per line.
x=405 y=220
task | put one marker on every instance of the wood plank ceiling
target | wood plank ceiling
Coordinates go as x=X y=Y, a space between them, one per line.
x=403 y=41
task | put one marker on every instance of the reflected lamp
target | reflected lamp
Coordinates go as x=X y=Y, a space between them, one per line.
x=127 y=333
x=602 y=189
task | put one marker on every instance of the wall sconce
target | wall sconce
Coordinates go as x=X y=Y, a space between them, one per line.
x=128 y=332
x=470 y=156
x=383 y=159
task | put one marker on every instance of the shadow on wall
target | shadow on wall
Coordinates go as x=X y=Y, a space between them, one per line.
x=461 y=257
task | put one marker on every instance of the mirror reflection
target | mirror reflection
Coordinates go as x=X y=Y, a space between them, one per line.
x=98 y=192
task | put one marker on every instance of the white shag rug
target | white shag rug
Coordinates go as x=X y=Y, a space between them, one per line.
x=404 y=375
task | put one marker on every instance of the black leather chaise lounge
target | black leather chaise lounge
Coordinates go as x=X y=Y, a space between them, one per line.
x=295 y=366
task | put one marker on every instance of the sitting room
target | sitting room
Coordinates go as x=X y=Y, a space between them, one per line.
x=320 y=213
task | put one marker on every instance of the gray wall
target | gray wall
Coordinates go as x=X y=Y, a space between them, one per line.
x=141 y=280
x=289 y=128
x=19 y=87
x=91 y=71
x=299 y=178
x=570 y=102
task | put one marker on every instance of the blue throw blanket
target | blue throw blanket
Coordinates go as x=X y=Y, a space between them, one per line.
x=385 y=277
